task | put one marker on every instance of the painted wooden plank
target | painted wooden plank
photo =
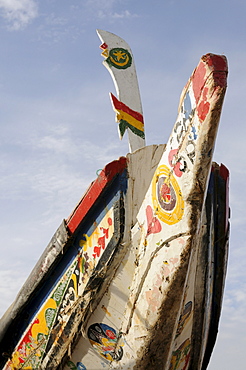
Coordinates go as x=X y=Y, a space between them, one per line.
x=12 y=324
x=110 y=310
x=176 y=198
x=94 y=191
x=221 y=243
x=55 y=308
x=209 y=275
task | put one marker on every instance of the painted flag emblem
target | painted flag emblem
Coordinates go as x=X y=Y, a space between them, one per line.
x=127 y=118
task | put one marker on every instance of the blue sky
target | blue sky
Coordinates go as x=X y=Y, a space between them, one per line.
x=58 y=128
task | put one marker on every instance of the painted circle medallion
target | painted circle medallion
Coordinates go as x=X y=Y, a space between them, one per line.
x=119 y=58
x=166 y=196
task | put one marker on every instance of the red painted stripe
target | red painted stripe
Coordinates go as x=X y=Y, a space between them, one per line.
x=103 y=46
x=94 y=191
x=224 y=173
x=217 y=65
x=210 y=64
x=118 y=105
x=198 y=80
x=217 y=62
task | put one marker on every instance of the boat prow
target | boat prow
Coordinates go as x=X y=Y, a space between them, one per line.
x=134 y=277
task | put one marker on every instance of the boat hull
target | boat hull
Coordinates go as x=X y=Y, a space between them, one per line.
x=126 y=281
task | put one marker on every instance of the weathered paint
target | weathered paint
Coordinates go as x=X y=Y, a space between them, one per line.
x=12 y=323
x=192 y=140
x=126 y=278
x=95 y=190
x=77 y=268
x=164 y=269
x=158 y=276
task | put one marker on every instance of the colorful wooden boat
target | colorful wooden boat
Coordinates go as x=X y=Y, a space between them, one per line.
x=134 y=277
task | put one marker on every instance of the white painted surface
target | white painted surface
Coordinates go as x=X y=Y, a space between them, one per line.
x=126 y=83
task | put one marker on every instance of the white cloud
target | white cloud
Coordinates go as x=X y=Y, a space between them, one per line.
x=105 y=9
x=18 y=13
x=124 y=14
x=53 y=20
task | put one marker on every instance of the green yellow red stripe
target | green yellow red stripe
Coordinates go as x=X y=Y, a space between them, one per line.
x=128 y=116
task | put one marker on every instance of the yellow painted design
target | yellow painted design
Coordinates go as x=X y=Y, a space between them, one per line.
x=30 y=349
x=92 y=240
x=42 y=327
x=84 y=243
x=175 y=215
x=131 y=120
x=74 y=278
x=105 y=53
x=121 y=58
x=181 y=357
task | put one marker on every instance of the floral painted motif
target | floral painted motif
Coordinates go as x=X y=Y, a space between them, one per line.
x=31 y=348
x=34 y=343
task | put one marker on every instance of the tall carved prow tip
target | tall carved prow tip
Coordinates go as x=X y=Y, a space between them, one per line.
x=118 y=59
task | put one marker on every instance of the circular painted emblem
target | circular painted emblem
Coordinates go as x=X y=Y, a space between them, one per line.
x=105 y=340
x=166 y=196
x=119 y=58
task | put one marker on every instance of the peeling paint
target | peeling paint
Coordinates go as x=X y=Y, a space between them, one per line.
x=127 y=281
